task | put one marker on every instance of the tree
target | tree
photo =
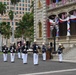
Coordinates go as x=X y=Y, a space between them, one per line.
x=32 y=6
x=2 y=8
x=5 y=30
x=14 y=2
x=11 y=15
x=25 y=27
x=2 y=11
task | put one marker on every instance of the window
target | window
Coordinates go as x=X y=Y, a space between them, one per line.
x=22 y=4
x=28 y=1
x=56 y=1
x=7 y=3
x=28 y=9
x=16 y=8
x=28 y=5
x=8 y=23
x=4 y=2
x=20 y=8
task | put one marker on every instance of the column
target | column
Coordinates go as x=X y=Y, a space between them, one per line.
x=68 y=26
x=44 y=21
x=35 y=19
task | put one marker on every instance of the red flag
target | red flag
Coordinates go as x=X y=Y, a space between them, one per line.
x=47 y=2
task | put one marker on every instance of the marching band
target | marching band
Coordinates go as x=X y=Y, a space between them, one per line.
x=22 y=52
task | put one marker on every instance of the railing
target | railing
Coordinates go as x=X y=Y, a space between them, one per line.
x=61 y=3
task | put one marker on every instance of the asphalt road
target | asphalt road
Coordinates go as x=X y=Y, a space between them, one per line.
x=48 y=67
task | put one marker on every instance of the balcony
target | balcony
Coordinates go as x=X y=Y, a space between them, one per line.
x=61 y=4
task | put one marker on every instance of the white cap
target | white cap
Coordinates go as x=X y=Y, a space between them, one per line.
x=43 y=43
x=24 y=42
x=35 y=40
x=59 y=44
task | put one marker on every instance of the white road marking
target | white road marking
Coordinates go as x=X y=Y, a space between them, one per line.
x=50 y=72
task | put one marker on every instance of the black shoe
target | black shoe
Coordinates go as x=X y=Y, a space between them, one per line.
x=24 y=63
x=12 y=62
x=36 y=64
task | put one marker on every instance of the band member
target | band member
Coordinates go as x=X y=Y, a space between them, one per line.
x=19 y=50
x=12 y=52
x=5 y=51
x=35 y=53
x=60 y=51
x=44 y=51
x=24 y=53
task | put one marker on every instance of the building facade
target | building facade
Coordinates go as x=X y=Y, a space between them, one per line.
x=55 y=21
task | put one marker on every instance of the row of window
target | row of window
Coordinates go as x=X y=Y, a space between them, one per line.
x=22 y=1
x=18 y=8
x=21 y=4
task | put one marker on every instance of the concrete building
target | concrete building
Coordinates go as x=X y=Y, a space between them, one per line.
x=55 y=21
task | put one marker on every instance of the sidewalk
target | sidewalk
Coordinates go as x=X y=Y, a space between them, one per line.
x=55 y=58
x=71 y=61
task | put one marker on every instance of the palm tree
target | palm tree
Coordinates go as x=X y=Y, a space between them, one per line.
x=14 y=2
x=11 y=16
x=21 y=28
x=2 y=8
x=2 y=11
x=32 y=6
x=25 y=27
x=6 y=30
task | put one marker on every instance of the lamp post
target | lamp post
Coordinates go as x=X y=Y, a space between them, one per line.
x=54 y=37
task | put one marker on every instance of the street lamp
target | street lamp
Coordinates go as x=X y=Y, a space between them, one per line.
x=54 y=37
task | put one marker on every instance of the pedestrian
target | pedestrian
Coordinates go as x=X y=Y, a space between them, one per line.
x=60 y=51
x=18 y=50
x=12 y=52
x=5 y=52
x=35 y=48
x=43 y=51
x=24 y=53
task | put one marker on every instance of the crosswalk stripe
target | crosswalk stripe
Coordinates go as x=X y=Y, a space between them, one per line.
x=50 y=72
